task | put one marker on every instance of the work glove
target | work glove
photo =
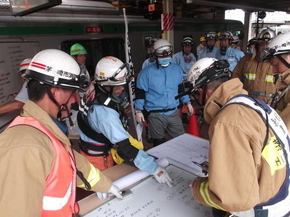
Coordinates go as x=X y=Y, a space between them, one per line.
x=162 y=176
x=189 y=108
x=140 y=117
x=114 y=190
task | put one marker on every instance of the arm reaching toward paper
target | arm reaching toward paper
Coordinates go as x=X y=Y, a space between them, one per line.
x=145 y=162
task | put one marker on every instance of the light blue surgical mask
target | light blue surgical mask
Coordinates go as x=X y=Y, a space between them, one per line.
x=164 y=61
x=251 y=51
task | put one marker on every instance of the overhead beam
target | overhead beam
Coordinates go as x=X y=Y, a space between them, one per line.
x=229 y=5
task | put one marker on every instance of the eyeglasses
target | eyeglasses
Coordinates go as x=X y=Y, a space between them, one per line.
x=126 y=78
x=226 y=35
x=211 y=36
x=164 y=51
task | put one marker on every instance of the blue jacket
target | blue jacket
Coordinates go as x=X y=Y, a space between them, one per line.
x=106 y=120
x=178 y=59
x=160 y=85
x=205 y=53
x=233 y=56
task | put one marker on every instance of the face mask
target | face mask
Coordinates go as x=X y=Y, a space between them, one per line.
x=251 y=51
x=164 y=61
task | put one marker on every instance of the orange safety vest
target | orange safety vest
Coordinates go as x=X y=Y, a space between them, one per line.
x=60 y=185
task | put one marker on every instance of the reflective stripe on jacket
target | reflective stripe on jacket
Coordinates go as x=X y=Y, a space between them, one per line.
x=59 y=193
x=244 y=178
x=278 y=206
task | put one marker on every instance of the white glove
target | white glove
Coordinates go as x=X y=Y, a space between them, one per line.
x=114 y=190
x=140 y=117
x=189 y=108
x=102 y=196
x=162 y=176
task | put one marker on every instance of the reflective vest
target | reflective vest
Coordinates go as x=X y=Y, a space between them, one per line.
x=60 y=185
x=278 y=206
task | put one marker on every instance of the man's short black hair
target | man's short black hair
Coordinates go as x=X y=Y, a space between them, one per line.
x=36 y=90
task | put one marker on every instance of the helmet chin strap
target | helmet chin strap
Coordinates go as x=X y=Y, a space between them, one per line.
x=62 y=107
x=283 y=61
x=204 y=89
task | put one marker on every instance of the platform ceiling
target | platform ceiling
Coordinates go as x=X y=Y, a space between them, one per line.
x=194 y=7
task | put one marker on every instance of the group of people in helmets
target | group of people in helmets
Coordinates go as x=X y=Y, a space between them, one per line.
x=224 y=49
x=249 y=139
x=248 y=170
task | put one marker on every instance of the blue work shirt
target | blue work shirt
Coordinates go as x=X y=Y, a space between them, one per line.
x=205 y=53
x=232 y=55
x=161 y=86
x=178 y=59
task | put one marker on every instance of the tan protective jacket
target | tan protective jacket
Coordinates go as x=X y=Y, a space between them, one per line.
x=26 y=159
x=257 y=76
x=239 y=173
x=283 y=106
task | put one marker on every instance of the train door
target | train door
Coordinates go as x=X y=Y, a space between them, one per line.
x=98 y=48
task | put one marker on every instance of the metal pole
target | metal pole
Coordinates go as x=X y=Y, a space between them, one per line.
x=168 y=9
x=247 y=29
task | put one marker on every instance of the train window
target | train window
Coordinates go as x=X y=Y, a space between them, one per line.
x=98 y=48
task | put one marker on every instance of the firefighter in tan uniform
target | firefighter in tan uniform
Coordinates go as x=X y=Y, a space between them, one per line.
x=256 y=75
x=37 y=165
x=278 y=53
x=248 y=169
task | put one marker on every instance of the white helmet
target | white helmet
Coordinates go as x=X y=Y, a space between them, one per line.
x=187 y=41
x=163 y=48
x=279 y=45
x=267 y=34
x=206 y=70
x=110 y=71
x=152 y=41
x=24 y=65
x=211 y=36
x=236 y=39
x=56 y=68
x=226 y=35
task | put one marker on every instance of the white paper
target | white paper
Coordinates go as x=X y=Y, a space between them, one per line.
x=136 y=176
x=182 y=150
x=152 y=199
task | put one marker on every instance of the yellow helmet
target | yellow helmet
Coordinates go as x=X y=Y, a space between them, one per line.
x=201 y=39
